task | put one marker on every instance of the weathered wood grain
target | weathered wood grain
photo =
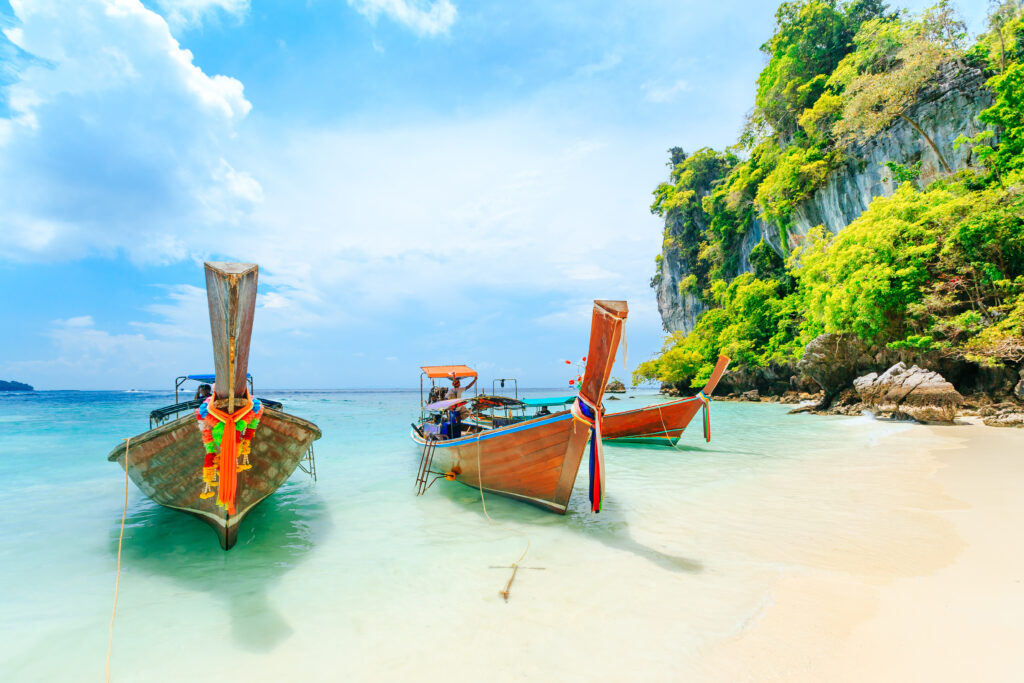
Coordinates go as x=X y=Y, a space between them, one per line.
x=166 y=464
x=231 y=294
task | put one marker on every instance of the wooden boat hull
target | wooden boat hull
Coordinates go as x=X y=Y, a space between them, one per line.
x=536 y=460
x=166 y=464
x=662 y=423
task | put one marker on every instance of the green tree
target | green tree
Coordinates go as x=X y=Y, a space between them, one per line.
x=679 y=202
x=894 y=60
x=810 y=38
x=1006 y=115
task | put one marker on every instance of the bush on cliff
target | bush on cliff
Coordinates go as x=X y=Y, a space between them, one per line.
x=935 y=269
x=923 y=269
x=755 y=322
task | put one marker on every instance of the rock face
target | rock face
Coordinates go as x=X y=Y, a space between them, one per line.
x=1009 y=418
x=679 y=310
x=946 y=110
x=833 y=361
x=615 y=387
x=911 y=392
x=1007 y=414
x=14 y=386
x=773 y=379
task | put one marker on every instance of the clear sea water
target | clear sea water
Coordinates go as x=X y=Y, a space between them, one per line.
x=354 y=577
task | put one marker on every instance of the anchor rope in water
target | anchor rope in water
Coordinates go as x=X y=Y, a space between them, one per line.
x=480 y=485
x=120 y=541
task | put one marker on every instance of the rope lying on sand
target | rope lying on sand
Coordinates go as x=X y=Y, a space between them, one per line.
x=120 y=540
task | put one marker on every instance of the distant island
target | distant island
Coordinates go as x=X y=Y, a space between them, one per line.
x=15 y=386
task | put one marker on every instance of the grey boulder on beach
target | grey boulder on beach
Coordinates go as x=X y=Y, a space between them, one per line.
x=913 y=392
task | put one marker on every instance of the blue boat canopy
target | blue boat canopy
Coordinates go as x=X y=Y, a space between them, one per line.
x=210 y=379
x=553 y=401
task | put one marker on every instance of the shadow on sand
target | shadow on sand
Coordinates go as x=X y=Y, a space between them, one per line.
x=608 y=527
x=275 y=537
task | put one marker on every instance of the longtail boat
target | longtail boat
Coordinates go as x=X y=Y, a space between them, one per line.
x=663 y=423
x=535 y=459
x=230 y=451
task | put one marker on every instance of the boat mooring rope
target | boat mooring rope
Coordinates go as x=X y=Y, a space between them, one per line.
x=625 y=349
x=706 y=417
x=515 y=565
x=120 y=541
x=665 y=430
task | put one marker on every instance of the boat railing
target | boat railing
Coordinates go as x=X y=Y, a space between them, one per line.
x=161 y=415
x=178 y=381
x=502 y=380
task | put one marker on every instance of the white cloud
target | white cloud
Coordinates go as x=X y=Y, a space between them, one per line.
x=124 y=144
x=182 y=13
x=181 y=316
x=364 y=219
x=77 y=322
x=655 y=91
x=79 y=338
x=84 y=354
x=608 y=62
x=423 y=17
x=116 y=139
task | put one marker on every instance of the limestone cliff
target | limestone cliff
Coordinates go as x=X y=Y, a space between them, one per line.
x=946 y=110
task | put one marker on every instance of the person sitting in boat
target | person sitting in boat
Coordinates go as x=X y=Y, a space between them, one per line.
x=456 y=388
x=203 y=392
x=454 y=422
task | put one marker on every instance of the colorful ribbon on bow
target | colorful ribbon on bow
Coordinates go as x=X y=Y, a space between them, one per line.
x=584 y=410
x=706 y=407
x=225 y=437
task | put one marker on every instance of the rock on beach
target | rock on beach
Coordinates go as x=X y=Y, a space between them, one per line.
x=913 y=392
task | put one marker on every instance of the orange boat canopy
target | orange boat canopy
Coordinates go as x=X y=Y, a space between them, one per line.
x=444 y=371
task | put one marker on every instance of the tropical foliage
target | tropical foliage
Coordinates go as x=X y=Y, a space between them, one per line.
x=933 y=268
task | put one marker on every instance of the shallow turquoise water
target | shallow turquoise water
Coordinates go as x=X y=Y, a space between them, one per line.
x=355 y=575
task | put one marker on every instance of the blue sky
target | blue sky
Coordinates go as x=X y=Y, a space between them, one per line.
x=420 y=181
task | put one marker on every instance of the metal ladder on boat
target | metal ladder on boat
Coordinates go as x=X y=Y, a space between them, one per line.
x=423 y=480
x=308 y=463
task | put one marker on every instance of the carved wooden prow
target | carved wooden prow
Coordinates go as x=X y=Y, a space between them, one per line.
x=605 y=333
x=231 y=291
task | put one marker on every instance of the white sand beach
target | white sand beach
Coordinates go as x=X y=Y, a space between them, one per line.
x=933 y=588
